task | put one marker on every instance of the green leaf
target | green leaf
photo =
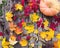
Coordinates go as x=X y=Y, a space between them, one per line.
x=1 y=5
x=4 y=2
x=1 y=13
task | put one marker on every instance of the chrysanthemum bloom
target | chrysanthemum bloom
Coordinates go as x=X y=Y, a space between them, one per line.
x=23 y=42
x=18 y=7
x=9 y=16
x=34 y=17
x=29 y=28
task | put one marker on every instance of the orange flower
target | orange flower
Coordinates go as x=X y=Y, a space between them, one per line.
x=12 y=26
x=18 y=30
x=12 y=40
x=57 y=44
x=12 y=37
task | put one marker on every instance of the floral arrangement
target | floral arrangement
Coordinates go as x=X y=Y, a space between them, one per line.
x=29 y=27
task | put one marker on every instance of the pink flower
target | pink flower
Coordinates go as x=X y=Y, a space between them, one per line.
x=20 y=23
x=14 y=18
x=19 y=38
x=38 y=1
x=27 y=11
x=1 y=34
x=53 y=25
x=39 y=23
x=35 y=7
x=42 y=25
x=23 y=2
x=57 y=18
x=28 y=37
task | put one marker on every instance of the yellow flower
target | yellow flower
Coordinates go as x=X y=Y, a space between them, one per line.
x=32 y=44
x=29 y=28
x=43 y=35
x=12 y=42
x=18 y=7
x=36 y=31
x=5 y=43
x=23 y=42
x=5 y=47
x=23 y=24
x=34 y=17
x=48 y=35
x=12 y=37
x=46 y=23
x=58 y=36
x=9 y=16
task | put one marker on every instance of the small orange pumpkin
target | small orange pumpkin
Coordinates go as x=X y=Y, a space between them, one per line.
x=49 y=7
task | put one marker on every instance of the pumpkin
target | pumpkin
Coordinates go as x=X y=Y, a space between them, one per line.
x=49 y=7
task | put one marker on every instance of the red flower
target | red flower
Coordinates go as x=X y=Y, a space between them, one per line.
x=23 y=2
x=14 y=18
x=20 y=23
x=42 y=25
x=38 y=1
x=27 y=11
x=19 y=38
x=1 y=34
x=28 y=37
x=53 y=25
x=57 y=18
x=35 y=7
x=39 y=23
